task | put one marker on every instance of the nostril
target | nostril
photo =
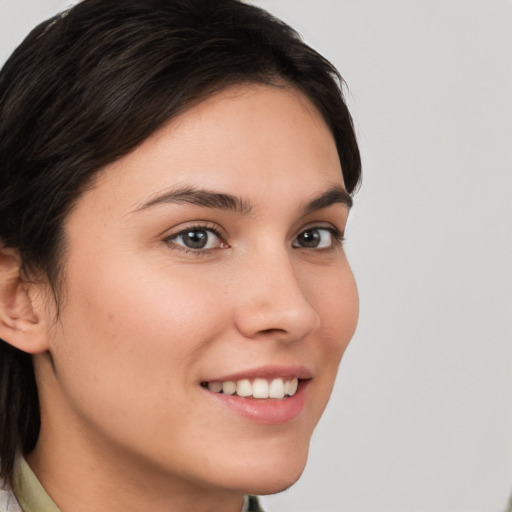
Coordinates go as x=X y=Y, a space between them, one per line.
x=272 y=331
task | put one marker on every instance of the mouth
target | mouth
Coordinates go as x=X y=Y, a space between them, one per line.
x=267 y=395
x=278 y=388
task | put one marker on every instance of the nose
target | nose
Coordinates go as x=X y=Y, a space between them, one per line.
x=272 y=300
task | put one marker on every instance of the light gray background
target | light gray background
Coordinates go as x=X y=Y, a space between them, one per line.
x=421 y=417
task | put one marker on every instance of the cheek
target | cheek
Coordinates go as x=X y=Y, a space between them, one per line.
x=132 y=336
x=337 y=304
x=340 y=312
x=345 y=311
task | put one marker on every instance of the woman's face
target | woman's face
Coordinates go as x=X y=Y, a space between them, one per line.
x=208 y=256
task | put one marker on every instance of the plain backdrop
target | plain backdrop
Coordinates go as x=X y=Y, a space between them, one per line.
x=421 y=417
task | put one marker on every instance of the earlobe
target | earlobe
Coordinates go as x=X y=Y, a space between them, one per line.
x=21 y=323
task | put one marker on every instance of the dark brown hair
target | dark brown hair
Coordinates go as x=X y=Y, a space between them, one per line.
x=86 y=87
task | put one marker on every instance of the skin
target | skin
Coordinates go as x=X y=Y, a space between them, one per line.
x=143 y=320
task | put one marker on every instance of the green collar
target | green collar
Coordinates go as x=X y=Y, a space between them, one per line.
x=29 y=492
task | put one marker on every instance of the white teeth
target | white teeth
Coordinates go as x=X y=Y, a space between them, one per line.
x=229 y=387
x=216 y=387
x=276 y=389
x=258 y=388
x=243 y=387
x=292 y=389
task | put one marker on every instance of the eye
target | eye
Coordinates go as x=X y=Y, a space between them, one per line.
x=317 y=238
x=197 y=238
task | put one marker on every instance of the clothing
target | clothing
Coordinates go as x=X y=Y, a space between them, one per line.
x=29 y=495
x=8 y=502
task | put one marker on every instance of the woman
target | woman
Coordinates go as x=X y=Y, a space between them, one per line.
x=174 y=296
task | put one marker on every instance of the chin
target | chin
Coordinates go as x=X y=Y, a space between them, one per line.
x=265 y=486
x=272 y=475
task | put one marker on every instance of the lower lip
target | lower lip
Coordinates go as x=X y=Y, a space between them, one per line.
x=266 y=411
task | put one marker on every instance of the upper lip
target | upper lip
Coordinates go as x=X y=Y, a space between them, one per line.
x=265 y=372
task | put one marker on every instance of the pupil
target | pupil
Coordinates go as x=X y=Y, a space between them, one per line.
x=195 y=239
x=310 y=238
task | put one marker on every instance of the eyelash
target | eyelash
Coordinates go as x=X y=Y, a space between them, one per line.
x=338 y=239
x=170 y=240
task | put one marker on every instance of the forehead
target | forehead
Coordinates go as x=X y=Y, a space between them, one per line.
x=255 y=140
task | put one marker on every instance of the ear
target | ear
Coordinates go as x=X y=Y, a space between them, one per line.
x=22 y=322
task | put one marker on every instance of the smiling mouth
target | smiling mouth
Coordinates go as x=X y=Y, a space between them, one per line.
x=255 y=388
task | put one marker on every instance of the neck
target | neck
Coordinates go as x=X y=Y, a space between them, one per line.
x=81 y=485
x=80 y=474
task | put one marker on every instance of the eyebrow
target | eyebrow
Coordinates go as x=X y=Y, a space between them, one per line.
x=201 y=197
x=335 y=195
x=222 y=201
